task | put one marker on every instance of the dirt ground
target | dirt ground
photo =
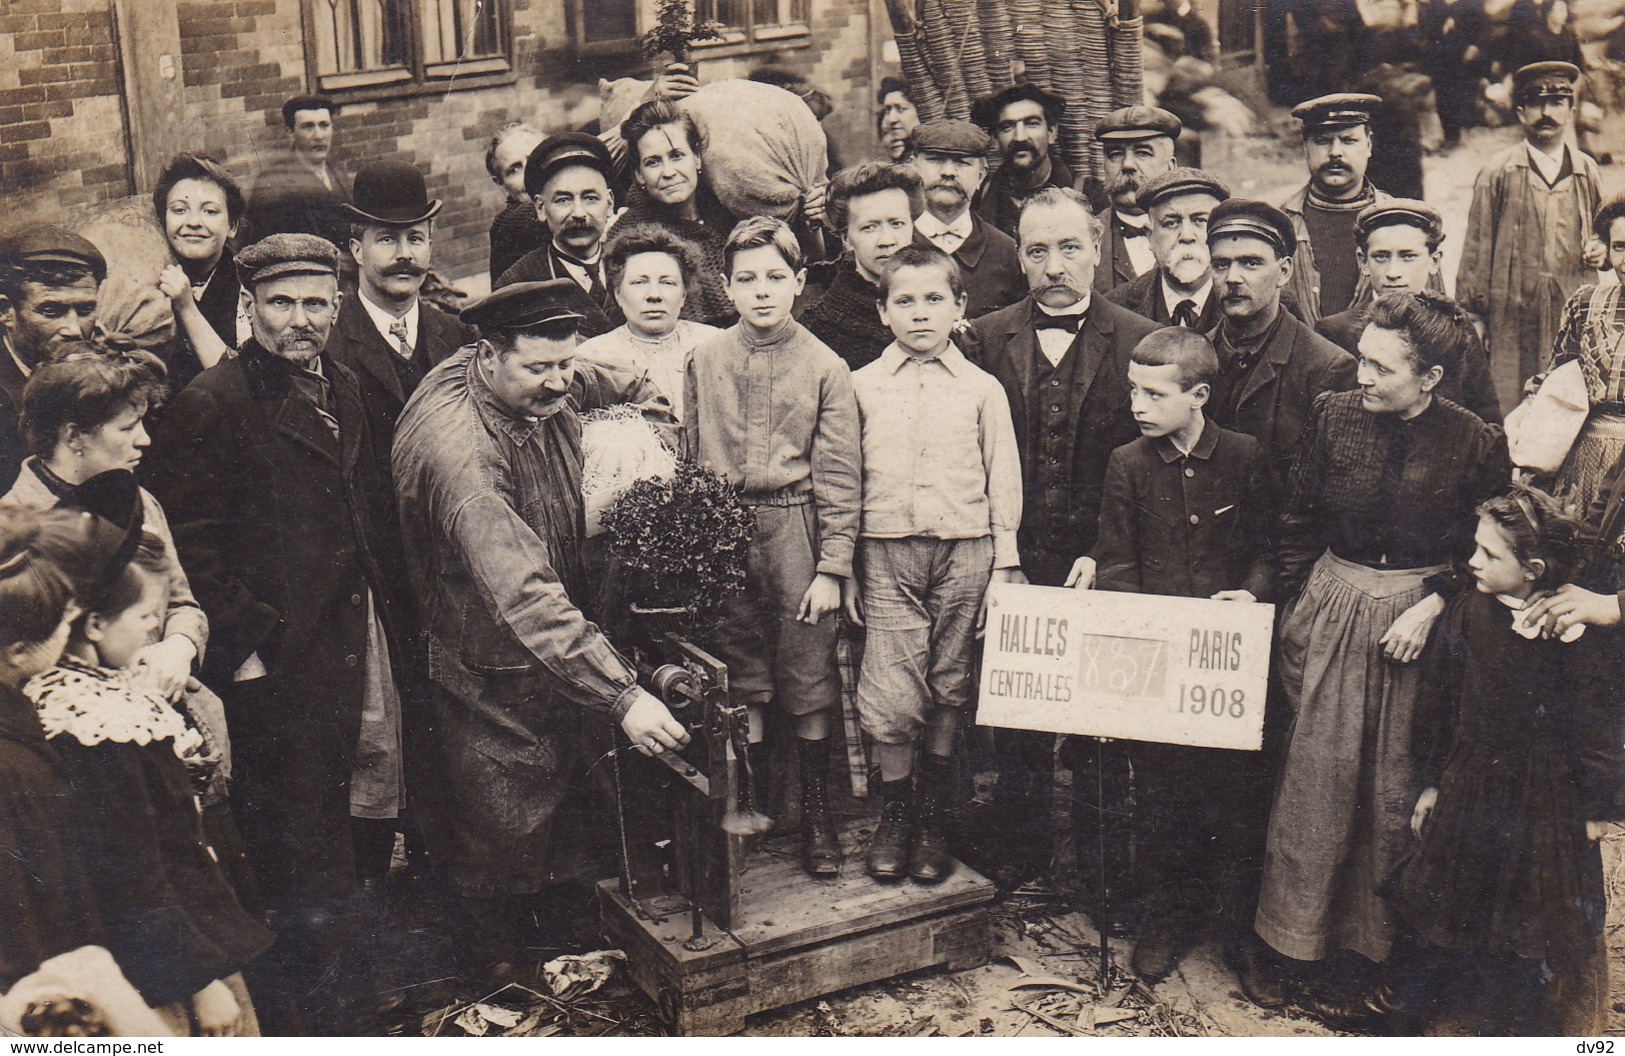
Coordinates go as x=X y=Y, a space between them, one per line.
x=1041 y=979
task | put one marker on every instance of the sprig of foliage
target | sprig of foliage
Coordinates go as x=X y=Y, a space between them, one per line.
x=676 y=32
x=682 y=540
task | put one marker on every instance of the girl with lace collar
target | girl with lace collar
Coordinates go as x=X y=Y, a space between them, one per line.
x=172 y=919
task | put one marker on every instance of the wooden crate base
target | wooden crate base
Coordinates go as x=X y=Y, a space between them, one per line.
x=799 y=938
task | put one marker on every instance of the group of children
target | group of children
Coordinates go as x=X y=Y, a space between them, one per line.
x=895 y=493
x=101 y=778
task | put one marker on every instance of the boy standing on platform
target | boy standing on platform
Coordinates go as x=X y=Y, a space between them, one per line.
x=770 y=407
x=1187 y=511
x=941 y=505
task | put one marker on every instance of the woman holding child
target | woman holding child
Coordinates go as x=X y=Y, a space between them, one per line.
x=1379 y=504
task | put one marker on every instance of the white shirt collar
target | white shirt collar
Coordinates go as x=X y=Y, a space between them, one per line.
x=1141 y=222
x=1171 y=297
x=382 y=320
x=895 y=356
x=1054 y=343
x=933 y=229
x=22 y=368
x=581 y=273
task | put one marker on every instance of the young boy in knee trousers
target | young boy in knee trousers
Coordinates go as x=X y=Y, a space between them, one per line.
x=941 y=503
x=770 y=408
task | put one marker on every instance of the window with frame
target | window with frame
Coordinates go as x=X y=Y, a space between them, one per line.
x=613 y=26
x=405 y=44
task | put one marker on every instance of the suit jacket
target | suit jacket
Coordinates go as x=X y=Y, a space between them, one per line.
x=1144 y=298
x=289 y=196
x=1278 y=395
x=12 y=448
x=1115 y=267
x=388 y=381
x=990 y=267
x=539 y=265
x=1001 y=206
x=1054 y=532
x=282 y=528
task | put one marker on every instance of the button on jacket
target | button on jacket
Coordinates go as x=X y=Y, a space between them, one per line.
x=939 y=452
x=1189 y=525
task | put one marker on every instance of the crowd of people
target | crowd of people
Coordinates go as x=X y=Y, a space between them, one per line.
x=306 y=588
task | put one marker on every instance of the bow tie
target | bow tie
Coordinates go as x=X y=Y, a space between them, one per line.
x=1135 y=232
x=1069 y=323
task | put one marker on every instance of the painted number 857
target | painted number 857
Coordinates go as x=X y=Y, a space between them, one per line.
x=1200 y=700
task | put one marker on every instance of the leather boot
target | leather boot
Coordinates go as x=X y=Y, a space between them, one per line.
x=820 y=846
x=929 y=861
x=887 y=857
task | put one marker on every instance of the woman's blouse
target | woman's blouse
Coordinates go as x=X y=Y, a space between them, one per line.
x=1593 y=332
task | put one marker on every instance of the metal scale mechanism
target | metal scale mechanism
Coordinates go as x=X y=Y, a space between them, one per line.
x=718 y=925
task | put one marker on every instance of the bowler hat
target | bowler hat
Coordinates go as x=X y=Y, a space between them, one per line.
x=985 y=111
x=562 y=150
x=1138 y=122
x=391 y=192
x=528 y=306
x=1253 y=219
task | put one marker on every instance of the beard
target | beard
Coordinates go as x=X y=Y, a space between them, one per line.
x=1187 y=267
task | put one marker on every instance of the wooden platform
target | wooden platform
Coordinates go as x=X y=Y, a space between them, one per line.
x=799 y=937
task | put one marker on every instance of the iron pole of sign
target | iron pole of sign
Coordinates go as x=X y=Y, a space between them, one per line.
x=1100 y=854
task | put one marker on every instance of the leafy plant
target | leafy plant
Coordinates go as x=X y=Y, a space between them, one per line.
x=676 y=32
x=681 y=540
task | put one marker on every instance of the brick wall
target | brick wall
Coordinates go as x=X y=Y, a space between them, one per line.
x=62 y=132
x=64 y=141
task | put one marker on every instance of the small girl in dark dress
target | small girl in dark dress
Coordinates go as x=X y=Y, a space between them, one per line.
x=1519 y=747
x=171 y=919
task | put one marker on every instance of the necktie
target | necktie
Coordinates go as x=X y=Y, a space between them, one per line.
x=313 y=387
x=397 y=330
x=1185 y=314
x=1045 y=321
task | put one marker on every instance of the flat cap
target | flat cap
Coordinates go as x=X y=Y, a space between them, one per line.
x=1409 y=211
x=1341 y=110
x=985 y=111
x=948 y=136
x=1545 y=79
x=287 y=253
x=527 y=305
x=1138 y=122
x=1175 y=182
x=1253 y=219
x=561 y=151
x=307 y=102
x=48 y=244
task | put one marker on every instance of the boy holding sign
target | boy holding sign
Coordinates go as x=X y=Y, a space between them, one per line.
x=941 y=503
x=1187 y=511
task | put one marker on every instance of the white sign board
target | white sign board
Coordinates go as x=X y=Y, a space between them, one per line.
x=1146 y=667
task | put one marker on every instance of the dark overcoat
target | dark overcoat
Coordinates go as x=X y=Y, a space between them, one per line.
x=990 y=266
x=282 y=529
x=1143 y=297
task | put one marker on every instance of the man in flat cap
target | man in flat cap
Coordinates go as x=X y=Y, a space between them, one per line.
x=286 y=532
x=302 y=189
x=567 y=178
x=488 y=467
x=1025 y=121
x=1526 y=249
x=1398 y=243
x=1138 y=142
x=49 y=278
x=1337 y=148
x=1179 y=290
x=1271 y=366
x=951 y=158
x=1062 y=355
x=872 y=206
